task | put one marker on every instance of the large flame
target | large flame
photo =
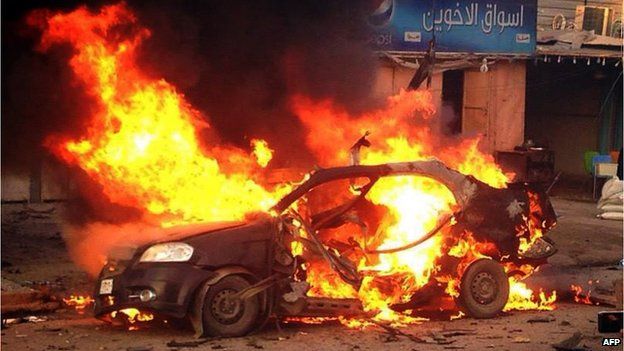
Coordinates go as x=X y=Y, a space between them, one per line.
x=142 y=143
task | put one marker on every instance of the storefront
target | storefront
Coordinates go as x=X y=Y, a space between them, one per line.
x=558 y=91
x=481 y=48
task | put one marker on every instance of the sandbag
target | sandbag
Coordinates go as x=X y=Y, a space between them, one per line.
x=612 y=194
x=612 y=208
x=612 y=187
x=610 y=202
x=612 y=215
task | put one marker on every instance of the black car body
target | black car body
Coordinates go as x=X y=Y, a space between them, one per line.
x=240 y=274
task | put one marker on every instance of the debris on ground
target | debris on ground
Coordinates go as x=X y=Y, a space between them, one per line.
x=192 y=343
x=448 y=333
x=139 y=348
x=49 y=330
x=254 y=343
x=28 y=212
x=546 y=319
x=490 y=337
x=618 y=287
x=570 y=343
x=394 y=332
x=441 y=340
x=521 y=340
x=20 y=301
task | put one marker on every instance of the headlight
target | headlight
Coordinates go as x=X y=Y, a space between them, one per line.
x=168 y=252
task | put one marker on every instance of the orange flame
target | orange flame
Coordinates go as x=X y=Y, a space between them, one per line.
x=262 y=152
x=523 y=298
x=132 y=316
x=579 y=297
x=142 y=144
x=79 y=302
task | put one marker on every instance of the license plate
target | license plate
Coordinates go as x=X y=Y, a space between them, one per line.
x=106 y=286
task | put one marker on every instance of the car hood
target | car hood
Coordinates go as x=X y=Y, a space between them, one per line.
x=155 y=235
x=190 y=230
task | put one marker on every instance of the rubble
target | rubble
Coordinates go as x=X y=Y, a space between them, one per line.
x=139 y=348
x=521 y=340
x=254 y=343
x=28 y=212
x=448 y=333
x=569 y=343
x=192 y=343
x=546 y=319
x=19 y=301
x=394 y=332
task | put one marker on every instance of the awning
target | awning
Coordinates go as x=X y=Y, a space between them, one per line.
x=578 y=44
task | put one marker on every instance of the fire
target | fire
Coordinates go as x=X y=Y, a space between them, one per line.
x=523 y=298
x=79 y=302
x=578 y=297
x=262 y=152
x=459 y=315
x=142 y=144
x=404 y=130
x=133 y=315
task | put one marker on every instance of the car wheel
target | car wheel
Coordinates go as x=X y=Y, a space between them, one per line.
x=484 y=289
x=223 y=316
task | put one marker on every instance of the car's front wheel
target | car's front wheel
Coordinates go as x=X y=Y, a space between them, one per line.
x=226 y=315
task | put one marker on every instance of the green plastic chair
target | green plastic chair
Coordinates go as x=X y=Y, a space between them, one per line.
x=588 y=158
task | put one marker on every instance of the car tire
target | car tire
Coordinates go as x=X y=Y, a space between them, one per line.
x=223 y=317
x=484 y=289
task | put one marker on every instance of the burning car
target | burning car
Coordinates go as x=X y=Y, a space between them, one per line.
x=230 y=278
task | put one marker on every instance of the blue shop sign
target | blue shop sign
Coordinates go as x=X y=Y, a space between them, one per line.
x=475 y=26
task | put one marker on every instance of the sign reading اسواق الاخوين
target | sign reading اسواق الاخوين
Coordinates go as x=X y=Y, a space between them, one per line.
x=495 y=26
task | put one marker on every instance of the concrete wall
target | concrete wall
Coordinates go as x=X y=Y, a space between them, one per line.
x=55 y=181
x=15 y=186
x=50 y=183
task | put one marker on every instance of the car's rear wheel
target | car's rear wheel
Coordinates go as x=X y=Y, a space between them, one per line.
x=224 y=315
x=484 y=289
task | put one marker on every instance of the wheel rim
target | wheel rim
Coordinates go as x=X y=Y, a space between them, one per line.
x=225 y=309
x=484 y=288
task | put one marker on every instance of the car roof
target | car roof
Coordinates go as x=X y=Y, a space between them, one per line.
x=463 y=187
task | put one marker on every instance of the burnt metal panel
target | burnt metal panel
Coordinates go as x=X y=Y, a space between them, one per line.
x=247 y=246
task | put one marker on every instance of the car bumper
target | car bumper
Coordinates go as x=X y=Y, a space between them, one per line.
x=173 y=285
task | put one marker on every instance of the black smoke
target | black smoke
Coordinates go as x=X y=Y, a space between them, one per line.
x=238 y=62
